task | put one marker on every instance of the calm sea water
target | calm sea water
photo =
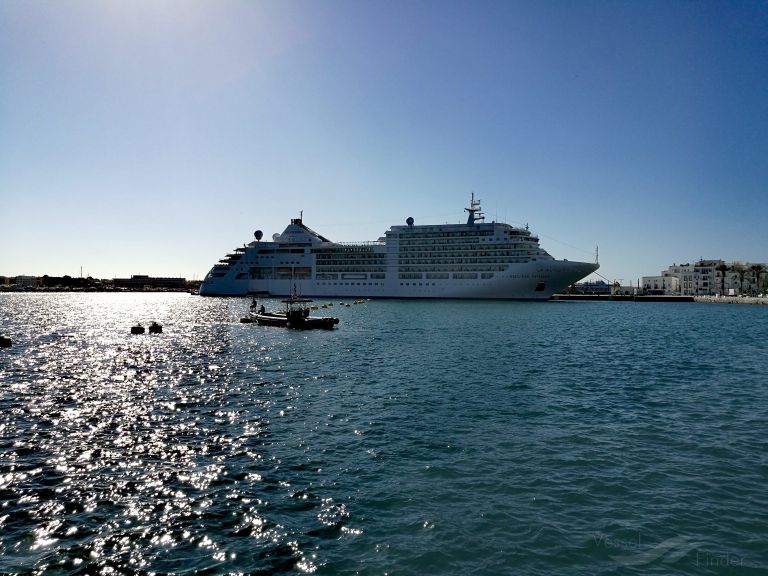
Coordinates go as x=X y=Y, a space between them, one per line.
x=443 y=437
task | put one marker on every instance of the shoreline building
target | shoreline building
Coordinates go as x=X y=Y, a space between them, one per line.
x=589 y=287
x=142 y=282
x=137 y=282
x=709 y=278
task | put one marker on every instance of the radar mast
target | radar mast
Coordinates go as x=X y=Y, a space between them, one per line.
x=474 y=207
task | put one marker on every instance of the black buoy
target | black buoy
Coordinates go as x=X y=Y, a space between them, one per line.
x=5 y=342
x=138 y=329
x=155 y=328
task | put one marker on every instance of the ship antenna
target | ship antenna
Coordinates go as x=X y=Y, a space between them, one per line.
x=474 y=207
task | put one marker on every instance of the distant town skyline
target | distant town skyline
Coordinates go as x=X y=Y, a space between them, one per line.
x=155 y=137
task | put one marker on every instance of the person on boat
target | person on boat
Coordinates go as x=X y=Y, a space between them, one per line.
x=262 y=310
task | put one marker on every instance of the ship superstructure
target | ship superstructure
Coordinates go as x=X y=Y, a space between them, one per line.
x=477 y=259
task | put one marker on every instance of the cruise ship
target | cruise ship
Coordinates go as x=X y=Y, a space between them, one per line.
x=477 y=259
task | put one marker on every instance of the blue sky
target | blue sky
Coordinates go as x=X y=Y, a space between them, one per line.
x=153 y=137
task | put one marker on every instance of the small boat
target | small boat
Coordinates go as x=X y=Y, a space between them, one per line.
x=296 y=315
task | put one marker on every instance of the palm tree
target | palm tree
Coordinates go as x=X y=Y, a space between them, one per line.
x=757 y=270
x=741 y=271
x=722 y=268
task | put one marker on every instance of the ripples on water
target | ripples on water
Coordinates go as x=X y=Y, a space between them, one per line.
x=438 y=437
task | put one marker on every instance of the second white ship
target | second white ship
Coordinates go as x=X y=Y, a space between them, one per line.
x=473 y=260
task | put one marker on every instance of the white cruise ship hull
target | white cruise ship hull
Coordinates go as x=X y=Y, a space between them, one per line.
x=522 y=283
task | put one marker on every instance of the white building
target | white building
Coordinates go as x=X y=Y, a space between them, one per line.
x=661 y=284
x=709 y=277
x=25 y=281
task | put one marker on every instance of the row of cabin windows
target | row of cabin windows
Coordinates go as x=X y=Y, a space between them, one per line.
x=281 y=251
x=439 y=234
x=471 y=249
x=350 y=283
x=344 y=250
